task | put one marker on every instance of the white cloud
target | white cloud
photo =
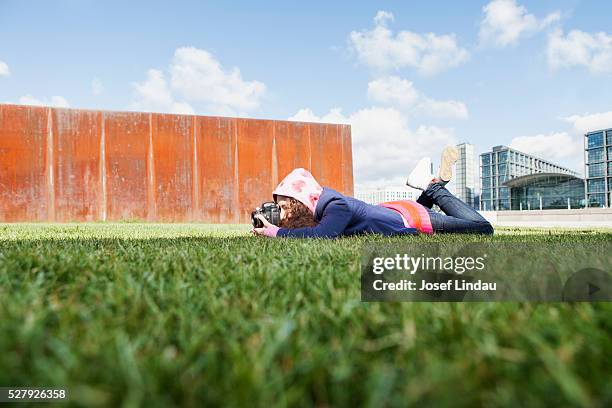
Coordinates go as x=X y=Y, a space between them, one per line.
x=306 y=115
x=154 y=95
x=333 y=116
x=197 y=82
x=381 y=17
x=56 y=101
x=96 y=86
x=445 y=109
x=4 y=69
x=579 y=48
x=565 y=148
x=559 y=147
x=428 y=53
x=385 y=148
x=505 y=22
x=59 y=101
x=199 y=77
x=401 y=93
x=393 y=90
x=590 y=122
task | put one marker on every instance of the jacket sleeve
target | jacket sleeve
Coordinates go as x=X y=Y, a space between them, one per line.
x=336 y=217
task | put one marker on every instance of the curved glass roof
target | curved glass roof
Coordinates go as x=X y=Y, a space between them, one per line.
x=538 y=177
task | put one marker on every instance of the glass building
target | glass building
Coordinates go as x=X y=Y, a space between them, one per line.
x=465 y=178
x=598 y=162
x=544 y=191
x=503 y=164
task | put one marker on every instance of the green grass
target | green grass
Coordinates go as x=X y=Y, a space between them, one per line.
x=157 y=315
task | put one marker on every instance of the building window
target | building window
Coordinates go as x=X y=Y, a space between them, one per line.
x=486 y=171
x=596 y=186
x=609 y=137
x=597 y=169
x=596 y=200
x=595 y=140
x=610 y=169
x=596 y=155
x=610 y=153
x=502 y=157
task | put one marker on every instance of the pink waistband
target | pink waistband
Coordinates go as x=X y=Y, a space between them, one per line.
x=413 y=213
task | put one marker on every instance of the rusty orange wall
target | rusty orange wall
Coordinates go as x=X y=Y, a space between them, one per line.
x=79 y=165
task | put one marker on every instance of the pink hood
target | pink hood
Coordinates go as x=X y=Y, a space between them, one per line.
x=302 y=186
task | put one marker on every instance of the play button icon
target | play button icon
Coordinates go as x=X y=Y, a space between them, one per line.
x=588 y=285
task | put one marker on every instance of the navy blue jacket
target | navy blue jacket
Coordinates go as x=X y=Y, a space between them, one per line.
x=342 y=215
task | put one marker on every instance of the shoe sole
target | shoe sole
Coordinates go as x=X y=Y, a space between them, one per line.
x=449 y=157
x=412 y=186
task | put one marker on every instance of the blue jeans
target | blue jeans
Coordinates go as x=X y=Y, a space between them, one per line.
x=458 y=217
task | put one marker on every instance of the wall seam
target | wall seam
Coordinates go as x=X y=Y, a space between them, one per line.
x=236 y=173
x=103 y=167
x=195 y=175
x=50 y=168
x=151 y=213
x=309 y=149
x=274 y=158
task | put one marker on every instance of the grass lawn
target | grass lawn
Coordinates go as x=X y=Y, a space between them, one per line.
x=150 y=314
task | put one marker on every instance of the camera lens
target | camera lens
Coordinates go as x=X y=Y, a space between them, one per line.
x=256 y=221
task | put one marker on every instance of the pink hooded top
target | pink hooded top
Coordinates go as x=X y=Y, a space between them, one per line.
x=302 y=186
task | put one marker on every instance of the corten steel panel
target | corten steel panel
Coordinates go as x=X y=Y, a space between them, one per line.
x=254 y=164
x=316 y=136
x=332 y=162
x=292 y=147
x=23 y=172
x=76 y=158
x=217 y=169
x=326 y=155
x=126 y=152
x=347 y=160
x=173 y=159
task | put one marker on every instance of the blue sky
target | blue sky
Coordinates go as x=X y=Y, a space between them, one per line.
x=409 y=76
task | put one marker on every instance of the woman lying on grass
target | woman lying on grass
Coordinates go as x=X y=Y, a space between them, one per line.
x=309 y=210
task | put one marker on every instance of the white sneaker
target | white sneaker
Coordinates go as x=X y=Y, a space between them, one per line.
x=449 y=157
x=421 y=176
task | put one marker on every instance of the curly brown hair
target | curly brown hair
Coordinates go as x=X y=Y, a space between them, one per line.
x=298 y=216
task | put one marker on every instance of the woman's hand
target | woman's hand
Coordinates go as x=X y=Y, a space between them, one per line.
x=266 y=224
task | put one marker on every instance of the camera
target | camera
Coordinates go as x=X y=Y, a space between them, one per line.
x=271 y=212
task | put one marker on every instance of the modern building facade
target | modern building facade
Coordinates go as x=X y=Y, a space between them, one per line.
x=465 y=179
x=384 y=194
x=503 y=164
x=598 y=163
x=546 y=191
